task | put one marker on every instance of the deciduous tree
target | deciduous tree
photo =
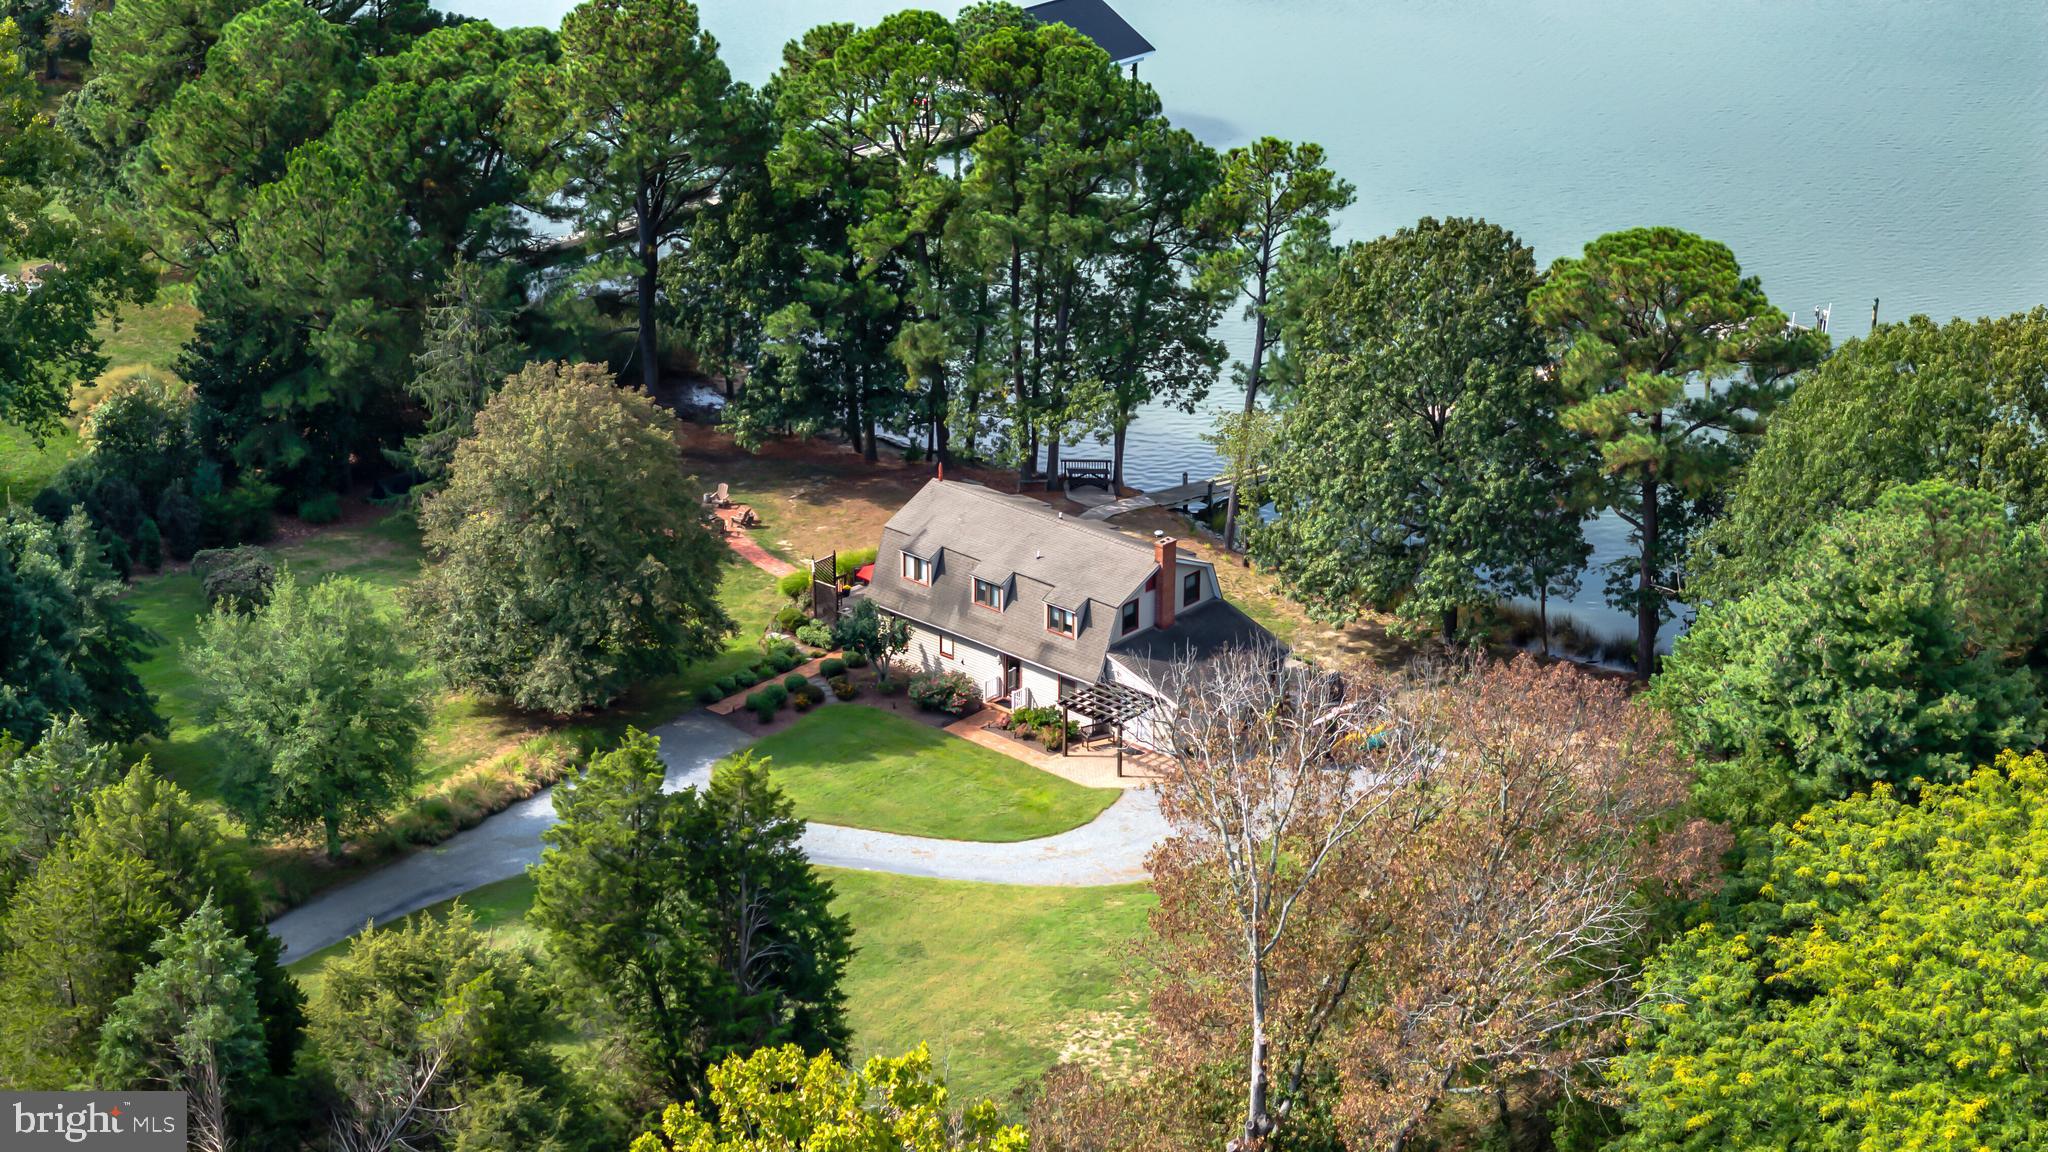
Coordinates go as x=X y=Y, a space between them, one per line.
x=1278 y=772
x=1916 y=401
x=1867 y=986
x=812 y=1103
x=1420 y=446
x=569 y=554
x=1673 y=362
x=1899 y=646
x=319 y=707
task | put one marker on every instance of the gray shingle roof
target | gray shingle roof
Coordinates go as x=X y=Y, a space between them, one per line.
x=1200 y=632
x=1060 y=560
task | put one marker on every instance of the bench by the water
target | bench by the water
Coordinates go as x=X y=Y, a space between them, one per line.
x=1083 y=473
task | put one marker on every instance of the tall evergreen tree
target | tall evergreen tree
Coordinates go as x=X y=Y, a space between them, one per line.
x=1674 y=361
x=693 y=917
x=67 y=642
x=637 y=124
x=192 y=1024
x=466 y=353
x=1273 y=199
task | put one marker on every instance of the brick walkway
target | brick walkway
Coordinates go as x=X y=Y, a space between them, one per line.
x=738 y=540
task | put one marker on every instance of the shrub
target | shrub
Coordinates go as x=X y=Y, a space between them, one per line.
x=795 y=584
x=765 y=670
x=843 y=688
x=709 y=694
x=239 y=579
x=1053 y=736
x=802 y=700
x=913 y=454
x=765 y=710
x=322 y=509
x=796 y=681
x=815 y=693
x=815 y=634
x=950 y=692
x=789 y=618
x=149 y=546
x=780 y=662
x=726 y=686
x=776 y=693
x=831 y=666
x=237 y=515
x=856 y=660
x=177 y=517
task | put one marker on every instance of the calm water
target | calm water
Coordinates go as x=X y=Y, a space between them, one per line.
x=1846 y=149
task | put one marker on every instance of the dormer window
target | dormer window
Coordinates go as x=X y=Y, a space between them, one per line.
x=988 y=594
x=1059 y=621
x=1191 y=588
x=917 y=569
x=1130 y=617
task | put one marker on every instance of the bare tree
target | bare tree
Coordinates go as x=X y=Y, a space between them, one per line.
x=1407 y=891
x=1278 y=769
x=1514 y=910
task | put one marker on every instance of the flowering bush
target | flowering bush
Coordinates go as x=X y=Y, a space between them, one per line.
x=950 y=692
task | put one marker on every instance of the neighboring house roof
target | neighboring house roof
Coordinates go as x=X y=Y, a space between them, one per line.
x=969 y=530
x=1200 y=632
x=1099 y=22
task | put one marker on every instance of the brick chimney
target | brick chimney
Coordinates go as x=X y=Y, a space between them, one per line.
x=1167 y=553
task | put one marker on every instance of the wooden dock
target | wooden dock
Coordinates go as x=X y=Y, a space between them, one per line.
x=1211 y=492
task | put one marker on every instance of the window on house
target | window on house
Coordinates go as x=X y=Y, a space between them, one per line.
x=946 y=649
x=1059 y=620
x=917 y=569
x=988 y=594
x=1191 y=588
x=1130 y=623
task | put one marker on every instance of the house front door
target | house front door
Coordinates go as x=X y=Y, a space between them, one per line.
x=1013 y=677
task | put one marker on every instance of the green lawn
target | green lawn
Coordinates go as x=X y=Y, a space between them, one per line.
x=383 y=553
x=1001 y=981
x=866 y=768
x=141 y=338
x=386 y=553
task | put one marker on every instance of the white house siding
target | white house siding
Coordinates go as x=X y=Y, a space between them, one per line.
x=1149 y=730
x=983 y=665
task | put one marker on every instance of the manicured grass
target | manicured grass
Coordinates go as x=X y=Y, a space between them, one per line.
x=1001 y=981
x=867 y=768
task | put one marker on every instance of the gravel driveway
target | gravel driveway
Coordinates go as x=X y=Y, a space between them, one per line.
x=1108 y=850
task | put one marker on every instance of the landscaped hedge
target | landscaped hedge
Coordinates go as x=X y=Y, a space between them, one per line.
x=831 y=666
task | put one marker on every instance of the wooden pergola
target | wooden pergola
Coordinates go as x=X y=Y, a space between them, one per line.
x=1104 y=702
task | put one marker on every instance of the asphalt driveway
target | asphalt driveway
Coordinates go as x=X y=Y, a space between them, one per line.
x=1108 y=850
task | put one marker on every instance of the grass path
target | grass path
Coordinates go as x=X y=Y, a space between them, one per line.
x=866 y=768
x=1002 y=982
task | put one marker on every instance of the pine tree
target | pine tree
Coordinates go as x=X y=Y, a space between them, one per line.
x=466 y=353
